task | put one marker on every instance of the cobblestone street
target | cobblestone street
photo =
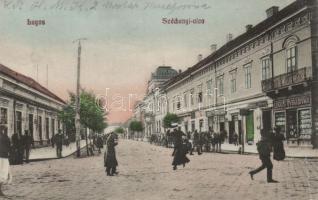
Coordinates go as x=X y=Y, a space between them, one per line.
x=146 y=173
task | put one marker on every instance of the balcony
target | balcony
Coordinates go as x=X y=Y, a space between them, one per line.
x=282 y=81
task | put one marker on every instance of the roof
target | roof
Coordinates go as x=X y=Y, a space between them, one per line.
x=256 y=30
x=164 y=72
x=29 y=82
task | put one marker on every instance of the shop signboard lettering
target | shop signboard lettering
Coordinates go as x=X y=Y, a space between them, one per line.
x=292 y=102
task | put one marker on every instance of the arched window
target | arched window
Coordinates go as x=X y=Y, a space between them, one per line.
x=290 y=44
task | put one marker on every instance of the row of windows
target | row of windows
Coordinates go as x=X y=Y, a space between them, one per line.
x=291 y=65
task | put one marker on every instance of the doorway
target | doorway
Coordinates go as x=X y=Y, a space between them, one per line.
x=250 y=127
x=267 y=121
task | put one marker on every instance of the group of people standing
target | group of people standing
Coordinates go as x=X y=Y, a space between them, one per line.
x=20 y=148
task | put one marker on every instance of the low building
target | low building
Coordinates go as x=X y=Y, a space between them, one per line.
x=25 y=105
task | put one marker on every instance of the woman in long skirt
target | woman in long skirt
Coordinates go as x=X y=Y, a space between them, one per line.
x=180 y=150
x=5 y=176
x=110 y=160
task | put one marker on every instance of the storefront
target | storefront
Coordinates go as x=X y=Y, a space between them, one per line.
x=293 y=114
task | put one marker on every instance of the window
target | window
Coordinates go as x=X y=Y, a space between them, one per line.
x=221 y=85
x=266 y=69
x=291 y=59
x=191 y=97
x=200 y=93
x=178 y=103
x=185 y=100
x=173 y=104
x=233 y=81
x=3 y=116
x=209 y=88
x=248 y=76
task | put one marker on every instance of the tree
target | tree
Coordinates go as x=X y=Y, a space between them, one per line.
x=92 y=116
x=135 y=126
x=119 y=130
x=169 y=119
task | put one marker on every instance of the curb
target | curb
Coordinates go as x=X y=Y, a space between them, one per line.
x=46 y=159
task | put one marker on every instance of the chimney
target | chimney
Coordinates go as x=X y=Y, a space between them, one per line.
x=248 y=27
x=199 y=57
x=229 y=37
x=272 y=11
x=180 y=71
x=213 y=47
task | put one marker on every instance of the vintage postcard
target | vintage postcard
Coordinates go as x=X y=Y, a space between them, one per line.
x=159 y=99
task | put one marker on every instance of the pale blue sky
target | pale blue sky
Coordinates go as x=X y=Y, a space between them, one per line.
x=124 y=45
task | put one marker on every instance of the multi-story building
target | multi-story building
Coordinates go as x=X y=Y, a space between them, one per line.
x=263 y=78
x=26 y=105
x=151 y=109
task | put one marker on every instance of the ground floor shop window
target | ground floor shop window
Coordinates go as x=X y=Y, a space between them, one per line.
x=304 y=123
x=280 y=121
x=296 y=124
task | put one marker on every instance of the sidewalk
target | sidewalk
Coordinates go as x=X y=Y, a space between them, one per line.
x=47 y=153
x=295 y=152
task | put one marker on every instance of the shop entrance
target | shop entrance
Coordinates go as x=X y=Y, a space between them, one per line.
x=31 y=126
x=267 y=121
x=231 y=130
x=250 y=127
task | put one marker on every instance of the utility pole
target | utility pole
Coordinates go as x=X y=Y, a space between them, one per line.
x=77 y=100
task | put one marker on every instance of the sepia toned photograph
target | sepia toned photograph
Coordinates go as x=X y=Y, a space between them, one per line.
x=159 y=99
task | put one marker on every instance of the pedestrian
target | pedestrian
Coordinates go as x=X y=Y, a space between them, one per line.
x=213 y=140
x=218 y=142
x=235 y=139
x=58 y=140
x=28 y=141
x=66 y=140
x=99 y=143
x=278 y=146
x=180 y=150
x=17 y=150
x=52 y=141
x=264 y=147
x=5 y=175
x=110 y=160
x=196 y=142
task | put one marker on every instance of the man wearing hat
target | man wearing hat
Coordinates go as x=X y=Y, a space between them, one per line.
x=264 y=147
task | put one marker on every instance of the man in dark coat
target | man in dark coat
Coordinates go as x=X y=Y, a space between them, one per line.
x=17 y=149
x=28 y=141
x=197 y=142
x=58 y=140
x=264 y=148
x=110 y=160
x=180 y=150
x=99 y=143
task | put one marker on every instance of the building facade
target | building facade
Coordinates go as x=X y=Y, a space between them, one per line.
x=26 y=105
x=263 y=78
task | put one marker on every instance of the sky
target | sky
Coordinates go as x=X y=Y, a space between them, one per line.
x=125 y=41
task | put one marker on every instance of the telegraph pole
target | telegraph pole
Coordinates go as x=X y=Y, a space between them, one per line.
x=77 y=100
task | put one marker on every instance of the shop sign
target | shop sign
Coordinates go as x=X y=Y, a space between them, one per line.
x=209 y=113
x=215 y=112
x=292 y=102
x=259 y=104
